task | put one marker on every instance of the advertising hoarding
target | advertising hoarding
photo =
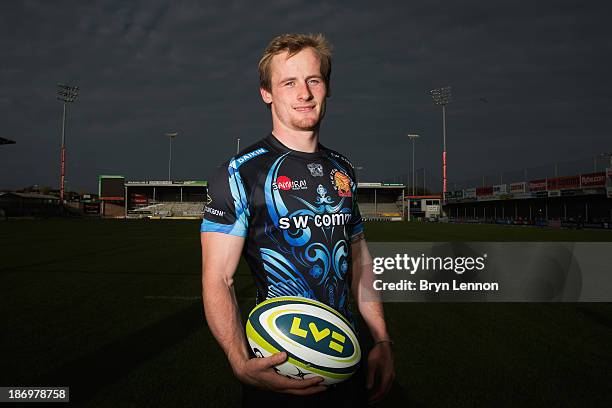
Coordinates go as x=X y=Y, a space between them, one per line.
x=484 y=191
x=500 y=189
x=537 y=185
x=518 y=187
x=563 y=183
x=593 y=179
x=469 y=193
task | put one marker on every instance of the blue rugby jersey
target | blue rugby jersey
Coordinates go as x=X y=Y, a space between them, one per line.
x=297 y=212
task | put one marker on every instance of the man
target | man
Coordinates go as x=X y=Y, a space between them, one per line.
x=288 y=203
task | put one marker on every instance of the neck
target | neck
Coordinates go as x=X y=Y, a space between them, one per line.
x=306 y=141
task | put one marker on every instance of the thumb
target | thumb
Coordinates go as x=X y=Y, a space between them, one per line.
x=370 y=378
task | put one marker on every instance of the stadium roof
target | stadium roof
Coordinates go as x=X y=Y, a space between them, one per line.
x=31 y=195
x=6 y=141
x=380 y=185
x=165 y=183
x=424 y=196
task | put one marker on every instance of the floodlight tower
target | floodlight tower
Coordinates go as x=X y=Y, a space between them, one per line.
x=442 y=96
x=358 y=172
x=413 y=137
x=66 y=94
x=171 y=135
x=603 y=155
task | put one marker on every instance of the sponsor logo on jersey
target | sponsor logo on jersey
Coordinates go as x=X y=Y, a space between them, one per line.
x=237 y=162
x=342 y=183
x=214 y=211
x=208 y=199
x=285 y=183
x=316 y=169
x=344 y=159
x=319 y=220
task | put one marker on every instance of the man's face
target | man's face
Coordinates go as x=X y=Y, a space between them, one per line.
x=298 y=90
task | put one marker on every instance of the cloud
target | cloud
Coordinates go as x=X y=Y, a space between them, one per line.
x=146 y=67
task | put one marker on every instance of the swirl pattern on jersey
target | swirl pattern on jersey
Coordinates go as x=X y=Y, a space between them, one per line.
x=296 y=211
x=326 y=266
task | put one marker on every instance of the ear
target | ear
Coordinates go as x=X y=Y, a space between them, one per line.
x=266 y=96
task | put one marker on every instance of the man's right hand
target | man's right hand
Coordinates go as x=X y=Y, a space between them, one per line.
x=259 y=373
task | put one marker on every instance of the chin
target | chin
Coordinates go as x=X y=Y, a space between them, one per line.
x=307 y=124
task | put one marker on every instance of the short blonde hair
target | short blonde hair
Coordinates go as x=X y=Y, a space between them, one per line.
x=294 y=43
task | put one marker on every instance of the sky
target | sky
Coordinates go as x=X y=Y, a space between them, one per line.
x=531 y=85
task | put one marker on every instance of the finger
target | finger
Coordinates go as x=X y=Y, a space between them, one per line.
x=382 y=389
x=376 y=393
x=370 y=378
x=281 y=382
x=387 y=386
x=308 y=391
x=270 y=361
x=375 y=396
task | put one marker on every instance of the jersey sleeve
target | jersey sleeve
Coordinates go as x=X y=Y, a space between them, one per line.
x=227 y=209
x=356 y=223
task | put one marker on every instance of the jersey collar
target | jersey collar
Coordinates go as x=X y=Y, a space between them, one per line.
x=275 y=143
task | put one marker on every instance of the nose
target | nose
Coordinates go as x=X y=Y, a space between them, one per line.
x=304 y=93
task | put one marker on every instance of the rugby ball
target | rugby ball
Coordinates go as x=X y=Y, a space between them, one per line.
x=318 y=340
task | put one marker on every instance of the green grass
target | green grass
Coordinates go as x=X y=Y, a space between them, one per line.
x=112 y=309
x=441 y=232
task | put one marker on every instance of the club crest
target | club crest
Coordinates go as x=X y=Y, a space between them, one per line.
x=342 y=183
x=316 y=169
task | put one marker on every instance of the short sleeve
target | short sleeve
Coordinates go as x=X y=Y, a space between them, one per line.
x=227 y=209
x=356 y=223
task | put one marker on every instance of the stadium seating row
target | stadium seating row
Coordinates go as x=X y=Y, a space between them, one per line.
x=172 y=209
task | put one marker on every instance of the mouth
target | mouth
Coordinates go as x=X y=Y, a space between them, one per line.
x=304 y=108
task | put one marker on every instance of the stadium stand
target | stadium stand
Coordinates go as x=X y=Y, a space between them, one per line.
x=165 y=199
x=29 y=205
x=171 y=209
x=577 y=200
x=380 y=201
x=371 y=210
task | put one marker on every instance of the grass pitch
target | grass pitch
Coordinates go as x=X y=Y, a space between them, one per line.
x=112 y=309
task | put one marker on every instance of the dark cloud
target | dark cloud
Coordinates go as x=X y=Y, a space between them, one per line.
x=148 y=67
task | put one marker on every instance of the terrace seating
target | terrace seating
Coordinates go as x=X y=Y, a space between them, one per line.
x=173 y=209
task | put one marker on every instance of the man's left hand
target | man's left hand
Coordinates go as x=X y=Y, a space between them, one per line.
x=381 y=372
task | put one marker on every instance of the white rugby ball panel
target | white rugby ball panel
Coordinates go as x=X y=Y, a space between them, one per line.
x=296 y=369
x=318 y=340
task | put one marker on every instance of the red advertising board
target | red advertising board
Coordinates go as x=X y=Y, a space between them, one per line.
x=564 y=183
x=518 y=187
x=484 y=191
x=537 y=185
x=593 y=179
x=139 y=199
